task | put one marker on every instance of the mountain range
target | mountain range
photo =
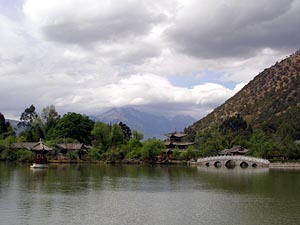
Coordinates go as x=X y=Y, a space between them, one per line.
x=152 y=126
x=272 y=98
x=14 y=124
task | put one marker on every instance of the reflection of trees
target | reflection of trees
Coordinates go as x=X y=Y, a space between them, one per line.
x=80 y=179
x=6 y=172
x=259 y=181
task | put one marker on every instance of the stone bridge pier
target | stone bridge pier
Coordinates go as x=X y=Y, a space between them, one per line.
x=231 y=161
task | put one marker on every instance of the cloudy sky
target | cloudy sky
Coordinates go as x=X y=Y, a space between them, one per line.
x=164 y=56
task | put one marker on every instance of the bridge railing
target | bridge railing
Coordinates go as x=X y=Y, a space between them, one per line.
x=233 y=157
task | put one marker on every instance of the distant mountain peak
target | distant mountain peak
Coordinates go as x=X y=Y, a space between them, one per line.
x=149 y=124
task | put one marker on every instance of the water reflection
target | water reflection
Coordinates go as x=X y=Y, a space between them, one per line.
x=70 y=179
x=137 y=194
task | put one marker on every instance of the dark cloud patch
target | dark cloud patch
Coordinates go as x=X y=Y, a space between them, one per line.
x=135 y=54
x=237 y=29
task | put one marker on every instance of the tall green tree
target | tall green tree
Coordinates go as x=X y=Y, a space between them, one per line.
x=116 y=135
x=49 y=117
x=74 y=125
x=135 y=145
x=28 y=117
x=101 y=135
x=5 y=128
x=30 y=121
x=126 y=131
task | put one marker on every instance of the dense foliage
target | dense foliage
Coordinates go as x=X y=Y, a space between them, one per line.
x=5 y=128
x=275 y=143
x=115 y=142
x=75 y=126
x=108 y=142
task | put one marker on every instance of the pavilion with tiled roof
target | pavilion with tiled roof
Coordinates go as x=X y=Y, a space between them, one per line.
x=38 y=148
x=175 y=141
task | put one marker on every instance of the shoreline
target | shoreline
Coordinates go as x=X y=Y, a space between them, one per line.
x=272 y=165
x=121 y=162
x=284 y=165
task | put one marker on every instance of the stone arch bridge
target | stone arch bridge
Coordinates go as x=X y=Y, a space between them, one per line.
x=231 y=161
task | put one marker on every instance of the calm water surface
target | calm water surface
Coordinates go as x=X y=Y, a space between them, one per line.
x=156 y=195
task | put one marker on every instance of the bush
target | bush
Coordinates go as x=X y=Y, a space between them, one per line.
x=113 y=155
x=8 y=155
x=94 y=154
x=72 y=155
x=176 y=154
x=183 y=155
x=24 y=155
x=152 y=149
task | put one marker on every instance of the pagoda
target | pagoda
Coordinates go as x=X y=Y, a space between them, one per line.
x=175 y=141
x=40 y=150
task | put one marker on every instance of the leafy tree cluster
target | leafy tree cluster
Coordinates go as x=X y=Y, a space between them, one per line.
x=111 y=143
x=108 y=142
x=49 y=125
x=5 y=128
x=73 y=125
x=268 y=141
x=7 y=137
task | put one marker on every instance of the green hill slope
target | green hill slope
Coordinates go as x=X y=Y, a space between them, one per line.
x=270 y=99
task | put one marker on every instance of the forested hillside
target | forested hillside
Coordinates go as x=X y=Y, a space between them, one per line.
x=269 y=105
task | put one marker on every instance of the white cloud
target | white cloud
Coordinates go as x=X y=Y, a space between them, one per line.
x=11 y=41
x=150 y=89
x=87 y=55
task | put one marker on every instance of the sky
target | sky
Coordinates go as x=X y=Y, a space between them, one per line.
x=166 y=57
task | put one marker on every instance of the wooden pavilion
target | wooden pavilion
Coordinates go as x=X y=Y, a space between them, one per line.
x=40 y=150
x=175 y=141
x=79 y=148
x=235 y=150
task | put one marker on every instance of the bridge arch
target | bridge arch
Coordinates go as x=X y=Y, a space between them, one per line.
x=231 y=161
x=230 y=164
x=244 y=164
x=218 y=164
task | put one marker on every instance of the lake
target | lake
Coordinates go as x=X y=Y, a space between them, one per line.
x=156 y=195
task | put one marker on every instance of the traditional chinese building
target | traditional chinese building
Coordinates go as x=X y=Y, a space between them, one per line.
x=175 y=141
x=235 y=150
x=38 y=148
x=79 y=148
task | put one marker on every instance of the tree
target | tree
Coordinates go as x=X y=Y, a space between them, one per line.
x=137 y=135
x=32 y=124
x=135 y=145
x=116 y=135
x=152 y=149
x=235 y=131
x=209 y=142
x=234 y=124
x=101 y=135
x=126 y=131
x=49 y=117
x=5 y=128
x=74 y=125
x=28 y=117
